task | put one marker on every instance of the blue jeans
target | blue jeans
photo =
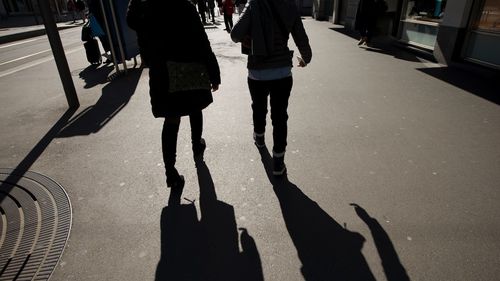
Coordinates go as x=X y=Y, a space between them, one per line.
x=279 y=93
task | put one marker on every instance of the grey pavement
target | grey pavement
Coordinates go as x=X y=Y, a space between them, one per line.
x=413 y=143
x=16 y=33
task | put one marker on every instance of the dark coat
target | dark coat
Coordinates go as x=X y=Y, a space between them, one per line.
x=366 y=15
x=172 y=31
x=269 y=33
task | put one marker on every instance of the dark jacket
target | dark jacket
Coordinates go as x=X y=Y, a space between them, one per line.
x=269 y=24
x=173 y=31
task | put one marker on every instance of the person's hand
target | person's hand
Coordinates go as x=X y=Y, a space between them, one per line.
x=215 y=87
x=302 y=63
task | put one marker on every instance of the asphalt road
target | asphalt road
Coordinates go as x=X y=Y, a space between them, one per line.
x=23 y=54
x=413 y=143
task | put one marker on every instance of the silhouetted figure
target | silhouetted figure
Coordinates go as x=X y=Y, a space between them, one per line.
x=80 y=8
x=174 y=33
x=96 y=10
x=202 y=9
x=264 y=29
x=211 y=9
x=366 y=18
x=227 y=11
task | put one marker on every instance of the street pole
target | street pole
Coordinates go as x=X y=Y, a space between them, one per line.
x=58 y=52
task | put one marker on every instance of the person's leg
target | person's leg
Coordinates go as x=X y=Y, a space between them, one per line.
x=280 y=93
x=213 y=14
x=230 y=22
x=362 y=32
x=198 y=143
x=259 y=93
x=169 y=149
x=226 y=22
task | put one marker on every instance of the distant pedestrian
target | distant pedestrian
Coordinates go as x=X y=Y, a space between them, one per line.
x=80 y=9
x=95 y=10
x=174 y=92
x=211 y=9
x=71 y=6
x=202 y=10
x=366 y=18
x=264 y=29
x=228 y=10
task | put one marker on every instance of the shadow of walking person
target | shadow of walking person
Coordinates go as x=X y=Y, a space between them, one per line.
x=208 y=249
x=224 y=260
x=327 y=250
x=181 y=244
x=393 y=269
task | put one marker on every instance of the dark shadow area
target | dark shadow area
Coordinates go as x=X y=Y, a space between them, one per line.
x=380 y=44
x=34 y=154
x=114 y=98
x=326 y=249
x=207 y=249
x=393 y=269
x=95 y=74
x=486 y=87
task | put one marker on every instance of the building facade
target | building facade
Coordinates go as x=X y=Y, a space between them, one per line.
x=9 y=8
x=453 y=31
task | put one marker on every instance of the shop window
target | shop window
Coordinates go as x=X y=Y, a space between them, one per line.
x=425 y=10
x=489 y=17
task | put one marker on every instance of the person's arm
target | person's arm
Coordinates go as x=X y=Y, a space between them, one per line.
x=302 y=41
x=242 y=28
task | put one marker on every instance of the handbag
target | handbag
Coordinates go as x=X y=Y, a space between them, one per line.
x=187 y=76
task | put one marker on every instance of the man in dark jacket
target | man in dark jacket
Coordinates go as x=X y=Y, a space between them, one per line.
x=265 y=27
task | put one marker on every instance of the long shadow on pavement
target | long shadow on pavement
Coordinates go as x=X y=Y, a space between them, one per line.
x=32 y=156
x=381 y=45
x=94 y=75
x=115 y=96
x=326 y=249
x=206 y=249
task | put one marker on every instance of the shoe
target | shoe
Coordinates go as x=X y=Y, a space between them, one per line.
x=259 y=140
x=199 y=148
x=174 y=180
x=279 y=167
x=362 y=41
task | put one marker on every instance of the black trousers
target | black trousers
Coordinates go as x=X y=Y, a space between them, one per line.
x=228 y=21
x=279 y=93
x=169 y=137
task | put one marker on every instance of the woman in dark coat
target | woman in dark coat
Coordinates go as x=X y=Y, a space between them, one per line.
x=172 y=31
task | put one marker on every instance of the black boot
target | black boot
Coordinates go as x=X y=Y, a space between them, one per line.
x=279 y=167
x=199 y=147
x=174 y=180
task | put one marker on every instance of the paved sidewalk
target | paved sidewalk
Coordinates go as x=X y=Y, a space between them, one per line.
x=413 y=143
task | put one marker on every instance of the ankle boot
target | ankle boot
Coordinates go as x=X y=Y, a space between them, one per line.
x=174 y=180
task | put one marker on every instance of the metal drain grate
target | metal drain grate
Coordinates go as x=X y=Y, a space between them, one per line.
x=34 y=226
